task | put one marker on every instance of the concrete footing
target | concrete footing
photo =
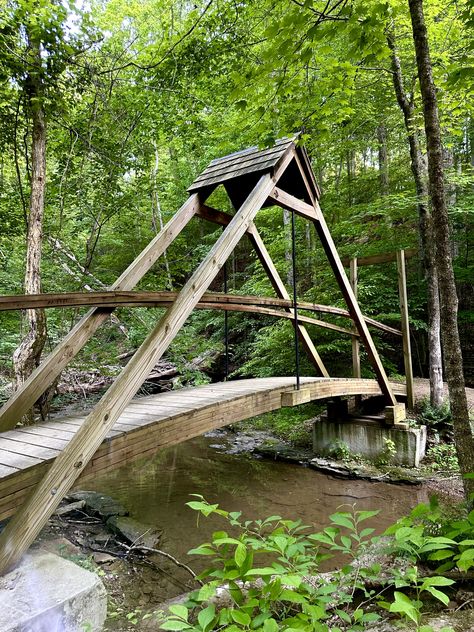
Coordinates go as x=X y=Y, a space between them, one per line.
x=46 y=593
x=369 y=438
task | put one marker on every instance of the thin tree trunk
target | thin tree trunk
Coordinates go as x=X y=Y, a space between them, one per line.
x=464 y=438
x=156 y=213
x=427 y=242
x=28 y=354
x=383 y=158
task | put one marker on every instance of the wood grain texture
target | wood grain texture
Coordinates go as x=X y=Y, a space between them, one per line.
x=402 y=291
x=27 y=523
x=384 y=257
x=290 y=202
x=158 y=423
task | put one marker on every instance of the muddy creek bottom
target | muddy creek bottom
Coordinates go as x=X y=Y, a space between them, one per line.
x=155 y=491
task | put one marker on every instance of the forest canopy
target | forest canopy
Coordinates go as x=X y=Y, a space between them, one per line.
x=135 y=98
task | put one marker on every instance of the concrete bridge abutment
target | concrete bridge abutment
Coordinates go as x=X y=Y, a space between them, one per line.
x=375 y=437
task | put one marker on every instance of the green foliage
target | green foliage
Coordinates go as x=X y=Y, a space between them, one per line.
x=291 y=424
x=428 y=536
x=442 y=457
x=388 y=453
x=434 y=416
x=270 y=571
x=340 y=451
x=267 y=567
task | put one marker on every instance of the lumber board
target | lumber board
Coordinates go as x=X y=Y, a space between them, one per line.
x=291 y=203
x=281 y=291
x=21 y=531
x=355 y=342
x=402 y=291
x=384 y=257
x=231 y=302
x=278 y=314
x=304 y=163
x=152 y=433
x=45 y=374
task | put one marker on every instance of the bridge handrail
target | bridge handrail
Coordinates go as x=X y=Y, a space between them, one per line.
x=210 y=300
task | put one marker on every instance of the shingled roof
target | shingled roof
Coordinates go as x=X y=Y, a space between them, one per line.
x=241 y=163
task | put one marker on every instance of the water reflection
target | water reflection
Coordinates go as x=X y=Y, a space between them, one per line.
x=156 y=489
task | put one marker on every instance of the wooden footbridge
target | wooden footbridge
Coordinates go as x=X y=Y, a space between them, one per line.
x=39 y=464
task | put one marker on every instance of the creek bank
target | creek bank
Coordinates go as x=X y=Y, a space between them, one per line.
x=264 y=445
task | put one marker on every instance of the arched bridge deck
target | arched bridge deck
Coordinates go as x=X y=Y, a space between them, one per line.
x=154 y=422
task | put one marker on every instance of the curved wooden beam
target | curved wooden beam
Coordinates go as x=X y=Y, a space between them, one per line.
x=115 y=298
x=253 y=309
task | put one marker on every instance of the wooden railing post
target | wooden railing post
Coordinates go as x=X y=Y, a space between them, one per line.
x=355 y=339
x=402 y=290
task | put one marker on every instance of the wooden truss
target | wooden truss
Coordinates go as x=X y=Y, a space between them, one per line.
x=253 y=180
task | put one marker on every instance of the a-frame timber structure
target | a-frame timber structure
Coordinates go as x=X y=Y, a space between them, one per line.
x=254 y=179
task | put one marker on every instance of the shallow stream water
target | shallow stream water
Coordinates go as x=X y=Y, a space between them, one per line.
x=155 y=491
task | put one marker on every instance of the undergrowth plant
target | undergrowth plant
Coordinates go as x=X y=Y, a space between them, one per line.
x=265 y=575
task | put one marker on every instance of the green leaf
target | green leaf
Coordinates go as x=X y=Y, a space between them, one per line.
x=343 y=615
x=206 y=592
x=266 y=570
x=443 y=554
x=292 y=596
x=179 y=611
x=342 y=520
x=436 y=581
x=270 y=625
x=404 y=605
x=365 y=515
x=240 y=554
x=206 y=617
x=240 y=617
x=346 y=541
x=174 y=624
x=441 y=596
x=202 y=550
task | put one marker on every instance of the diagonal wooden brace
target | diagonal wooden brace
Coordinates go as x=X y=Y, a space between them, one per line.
x=282 y=292
x=21 y=531
x=45 y=374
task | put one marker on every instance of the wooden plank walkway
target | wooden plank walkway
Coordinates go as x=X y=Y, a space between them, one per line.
x=151 y=423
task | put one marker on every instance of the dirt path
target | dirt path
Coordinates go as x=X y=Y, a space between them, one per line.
x=422 y=390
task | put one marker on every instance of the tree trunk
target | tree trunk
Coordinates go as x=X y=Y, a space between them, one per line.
x=383 y=158
x=464 y=438
x=27 y=356
x=156 y=213
x=427 y=242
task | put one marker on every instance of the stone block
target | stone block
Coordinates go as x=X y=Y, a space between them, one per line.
x=368 y=438
x=47 y=593
x=293 y=398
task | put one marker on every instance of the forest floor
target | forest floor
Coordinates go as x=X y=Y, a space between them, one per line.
x=422 y=391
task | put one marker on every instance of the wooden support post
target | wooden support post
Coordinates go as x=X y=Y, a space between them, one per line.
x=282 y=292
x=21 y=531
x=353 y=278
x=355 y=339
x=42 y=377
x=402 y=290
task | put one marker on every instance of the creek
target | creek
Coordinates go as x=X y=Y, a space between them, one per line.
x=155 y=491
